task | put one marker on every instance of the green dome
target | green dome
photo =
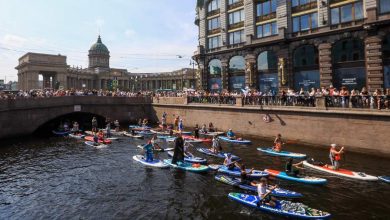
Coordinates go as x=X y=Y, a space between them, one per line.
x=99 y=47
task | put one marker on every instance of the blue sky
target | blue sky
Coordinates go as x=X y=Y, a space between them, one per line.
x=142 y=35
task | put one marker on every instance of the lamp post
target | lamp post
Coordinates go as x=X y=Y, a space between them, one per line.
x=192 y=62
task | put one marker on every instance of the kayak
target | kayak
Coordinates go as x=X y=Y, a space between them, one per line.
x=192 y=138
x=90 y=138
x=256 y=174
x=216 y=133
x=77 y=136
x=190 y=159
x=133 y=136
x=284 y=208
x=95 y=145
x=220 y=154
x=187 y=166
x=341 y=172
x=278 y=192
x=182 y=132
x=60 y=133
x=384 y=178
x=154 y=163
x=234 y=141
x=282 y=153
x=158 y=150
x=300 y=179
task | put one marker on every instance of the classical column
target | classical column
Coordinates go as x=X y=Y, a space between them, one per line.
x=225 y=74
x=374 y=63
x=32 y=80
x=250 y=72
x=325 y=64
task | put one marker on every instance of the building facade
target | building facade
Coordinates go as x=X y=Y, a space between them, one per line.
x=56 y=73
x=278 y=44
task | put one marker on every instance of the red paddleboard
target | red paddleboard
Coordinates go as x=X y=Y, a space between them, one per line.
x=90 y=138
x=196 y=139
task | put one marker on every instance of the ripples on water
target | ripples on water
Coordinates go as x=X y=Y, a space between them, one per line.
x=62 y=178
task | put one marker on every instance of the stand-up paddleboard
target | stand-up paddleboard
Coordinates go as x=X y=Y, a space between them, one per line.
x=215 y=166
x=185 y=139
x=283 y=208
x=190 y=159
x=341 y=172
x=278 y=192
x=234 y=141
x=159 y=132
x=282 y=153
x=188 y=166
x=256 y=174
x=112 y=138
x=95 y=145
x=384 y=178
x=90 y=138
x=144 y=132
x=192 y=138
x=182 y=132
x=158 y=150
x=216 y=133
x=133 y=136
x=60 y=133
x=219 y=155
x=154 y=163
x=299 y=179
x=137 y=126
x=165 y=137
x=76 y=136
x=114 y=133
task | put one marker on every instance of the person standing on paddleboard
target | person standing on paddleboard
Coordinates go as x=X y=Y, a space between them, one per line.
x=216 y=146
x=278 y=143
x=94 y=124
x=178 y=154
x=196 y=131
x=335 y=156
x=148 y=148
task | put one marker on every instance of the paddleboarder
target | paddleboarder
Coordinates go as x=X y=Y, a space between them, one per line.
x=230 y=134
x=94 y=124
x=278 y=143
x=178 y=154
x=216 y=146
x=148 y=148
x=292 y=169
x=265 y=198
x=335 y=156
x=196 y=131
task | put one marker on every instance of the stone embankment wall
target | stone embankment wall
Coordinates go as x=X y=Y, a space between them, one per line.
x=358 y=130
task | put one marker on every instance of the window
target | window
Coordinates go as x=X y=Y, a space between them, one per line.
x=295 y=3
x=384 y=6
x=267 y=68
x=213 y=24
x=266 y=8
x=233 y=1
x=266 y=30
x=236 y=17
x=213 y=5
x=214 y=42
x=236 y=37
x=215 y=67
x=305 y=22
x=347 y=13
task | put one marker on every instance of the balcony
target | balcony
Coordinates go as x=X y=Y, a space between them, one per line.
x=214 y=12
x=266 y=17
x=236 y=5
x=305 y=7
x=236 y=25
x=214 y=31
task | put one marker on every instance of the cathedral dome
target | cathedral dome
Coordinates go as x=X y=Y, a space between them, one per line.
x=99 y=47
x=99 y=55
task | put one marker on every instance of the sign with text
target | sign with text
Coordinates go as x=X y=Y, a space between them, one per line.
x=352 y=78
x=268 y=82
x=306 y=80
x=236 y=83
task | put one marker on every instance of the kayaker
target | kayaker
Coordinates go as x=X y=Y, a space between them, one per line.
x=100 y=135
x=244 y=174
x=265 y=197
x=211 y=127
x=216 y=146
x=196 y=131
x=292 y=169
x=148 y=148
x=94 y=124
x=230 y=134
x=278 y=142
x=181 y=126
x=116 y=124
x=178 y=154
x=228 y=162
x=335 y=156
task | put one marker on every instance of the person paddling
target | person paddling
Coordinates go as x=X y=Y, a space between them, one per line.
x=153 y=141
x=264 y=196
x=278 y=143
x=228 y=162
x=148 y=148
x=230 y=134
x=216 y=146
x=178 y=153
x=196 y=131
x=335 y=156
x=94 y=124
x=292 y=169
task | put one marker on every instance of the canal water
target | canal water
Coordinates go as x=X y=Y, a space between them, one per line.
x=62 y=178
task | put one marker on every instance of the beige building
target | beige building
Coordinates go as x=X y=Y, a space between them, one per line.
x=56 y=73
x=277 y=44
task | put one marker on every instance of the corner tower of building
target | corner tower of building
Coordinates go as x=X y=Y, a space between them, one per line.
x=99 y=55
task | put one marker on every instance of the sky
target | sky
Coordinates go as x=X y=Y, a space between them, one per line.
x=142 y=35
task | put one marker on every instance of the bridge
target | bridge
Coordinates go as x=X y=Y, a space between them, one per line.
x=24 y=116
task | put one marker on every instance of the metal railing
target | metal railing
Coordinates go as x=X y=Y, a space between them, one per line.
x=220 y=100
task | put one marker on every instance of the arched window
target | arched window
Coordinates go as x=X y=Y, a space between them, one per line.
x=349 y=64
x=306 y=70
x=386 y=61
x=267 y=69
x=214 y=77
x=236 y=73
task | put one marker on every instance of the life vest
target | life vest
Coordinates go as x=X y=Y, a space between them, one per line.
x=278 y=146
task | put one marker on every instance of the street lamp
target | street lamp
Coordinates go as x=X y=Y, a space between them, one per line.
x=192 y=62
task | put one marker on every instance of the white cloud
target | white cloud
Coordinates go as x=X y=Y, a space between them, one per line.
x=10 y=40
